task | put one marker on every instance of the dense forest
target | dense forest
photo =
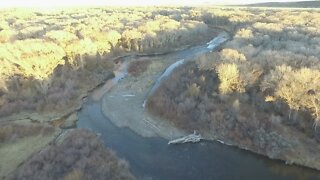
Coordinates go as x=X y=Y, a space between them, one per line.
x=50 y=59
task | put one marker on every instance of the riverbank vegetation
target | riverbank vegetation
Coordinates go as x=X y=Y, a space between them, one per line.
x=78 y=155
x=260 y=91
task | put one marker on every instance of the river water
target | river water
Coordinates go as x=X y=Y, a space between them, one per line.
x=154 y=159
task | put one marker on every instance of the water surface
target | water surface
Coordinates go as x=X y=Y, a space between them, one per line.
x=153 y=158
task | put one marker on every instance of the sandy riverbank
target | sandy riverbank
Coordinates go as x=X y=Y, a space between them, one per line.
x=123 y=103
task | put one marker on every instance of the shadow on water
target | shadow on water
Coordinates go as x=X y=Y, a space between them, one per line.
x=153 y=158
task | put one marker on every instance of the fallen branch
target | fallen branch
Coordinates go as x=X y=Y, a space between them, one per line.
x=194 y=138
x=128 y=95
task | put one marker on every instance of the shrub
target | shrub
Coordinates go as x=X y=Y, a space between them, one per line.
x=207 y=61
x=113 y=37
x=63 y=38
x=7 y=35
x=232 y=55
x=300 y=89
x=229 y=79
x=75 y=174
x=193 y=90
x=271 y=80
x=244 y=33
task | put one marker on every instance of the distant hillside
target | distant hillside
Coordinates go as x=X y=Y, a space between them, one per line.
x=299 y=4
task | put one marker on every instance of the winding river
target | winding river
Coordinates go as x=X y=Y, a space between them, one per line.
x=151 y=158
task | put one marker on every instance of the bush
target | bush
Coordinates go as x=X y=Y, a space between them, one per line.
x=229 y=79
x=207 y=61
x=193 y=90
x=299 y=88
x=232 y=55
x=7 y=35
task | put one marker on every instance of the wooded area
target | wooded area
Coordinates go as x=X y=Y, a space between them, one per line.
x=259 y=90
x=49 y=59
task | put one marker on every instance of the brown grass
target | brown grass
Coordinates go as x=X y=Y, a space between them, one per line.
x=13 y=131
